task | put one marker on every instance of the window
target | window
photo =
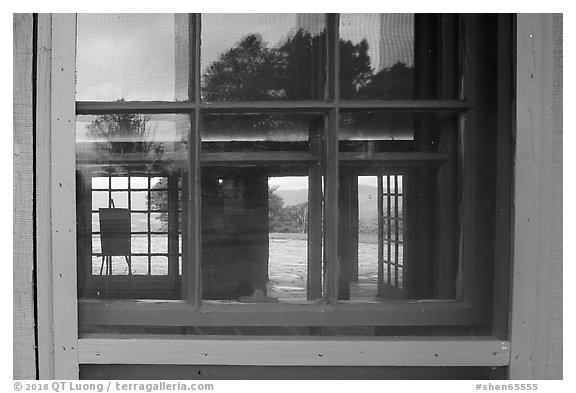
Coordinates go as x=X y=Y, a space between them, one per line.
x=287 y=175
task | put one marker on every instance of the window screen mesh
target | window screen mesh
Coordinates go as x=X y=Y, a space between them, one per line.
x=132 y=57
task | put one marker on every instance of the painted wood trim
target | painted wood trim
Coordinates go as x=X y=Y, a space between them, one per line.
x=63 y=191
x=408 y=105
x=272 y=158
x=465 y=288
x=554 y=365
x=425 y=352
x=24 y=349
x=532 y=196
x=407 y=158
x=177 y=313
x=95 y=107
x=330 y=164
x=503 y=219
x=195 y=185
x=315 y=198
x=43 y=197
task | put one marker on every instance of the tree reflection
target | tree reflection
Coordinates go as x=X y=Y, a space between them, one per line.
x=123 y=133
x=252 y=71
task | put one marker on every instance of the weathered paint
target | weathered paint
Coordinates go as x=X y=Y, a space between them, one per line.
x=460 y=351
x=23 y=185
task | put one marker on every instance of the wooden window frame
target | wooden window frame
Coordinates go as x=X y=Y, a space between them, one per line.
x=60 y=350
x=193 y=310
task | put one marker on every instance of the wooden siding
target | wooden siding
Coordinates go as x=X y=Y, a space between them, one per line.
x=23 y=183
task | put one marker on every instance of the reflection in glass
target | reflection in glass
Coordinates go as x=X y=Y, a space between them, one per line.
x=129 y=167
x=254 y=235
x=262 y=57
x=132 y=57
x=131 y=139
x=380 y=238
x=376 y=132
x=377 y=56
x=380 y=132
x=259 y=132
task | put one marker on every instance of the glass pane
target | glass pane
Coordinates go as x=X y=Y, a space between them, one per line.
x=130 y=158
x=159 y=222
x=159 y=266
x=158 y=200
x=254 y=235
x=380 y=132
x=95 y=223
x=123 y=142
x=262 y=57
x=391 y=226
x=383 y=57
x=262 y=132
x=139 y=265
x=100 y=183
x=139 y=183
x=120 y=199
x=159 y=183
x=288 y=237
x=140 y=243
x=132 y=57
x=139 y=222
x=119 y=182
x=100 y=199
x=139 y=200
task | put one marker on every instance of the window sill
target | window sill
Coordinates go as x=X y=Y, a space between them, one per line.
x=416 y=351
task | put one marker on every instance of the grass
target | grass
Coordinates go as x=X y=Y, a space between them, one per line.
x=365 y=238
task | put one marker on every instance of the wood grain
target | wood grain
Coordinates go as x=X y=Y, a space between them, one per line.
x=23 y=186
x=63 y=191
x=44 y=200
x=456 y=351
x=532 y=197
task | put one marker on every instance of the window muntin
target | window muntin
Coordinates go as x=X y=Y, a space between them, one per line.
x=430 y=137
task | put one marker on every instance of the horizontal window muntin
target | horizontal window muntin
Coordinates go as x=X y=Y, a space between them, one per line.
x=93 y=108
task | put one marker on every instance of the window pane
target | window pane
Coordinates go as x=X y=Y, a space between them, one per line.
x=139 y=264
x=132 y=57
x=383 y=57
x=119 y=182
x=274 y=132
x=131 y=141
x=381 y=132
x=392 y=227
x=135 y=160
x=139 y=200
x=376 y=56
x=254 y=235
x=262 y=57
x=139 y=222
